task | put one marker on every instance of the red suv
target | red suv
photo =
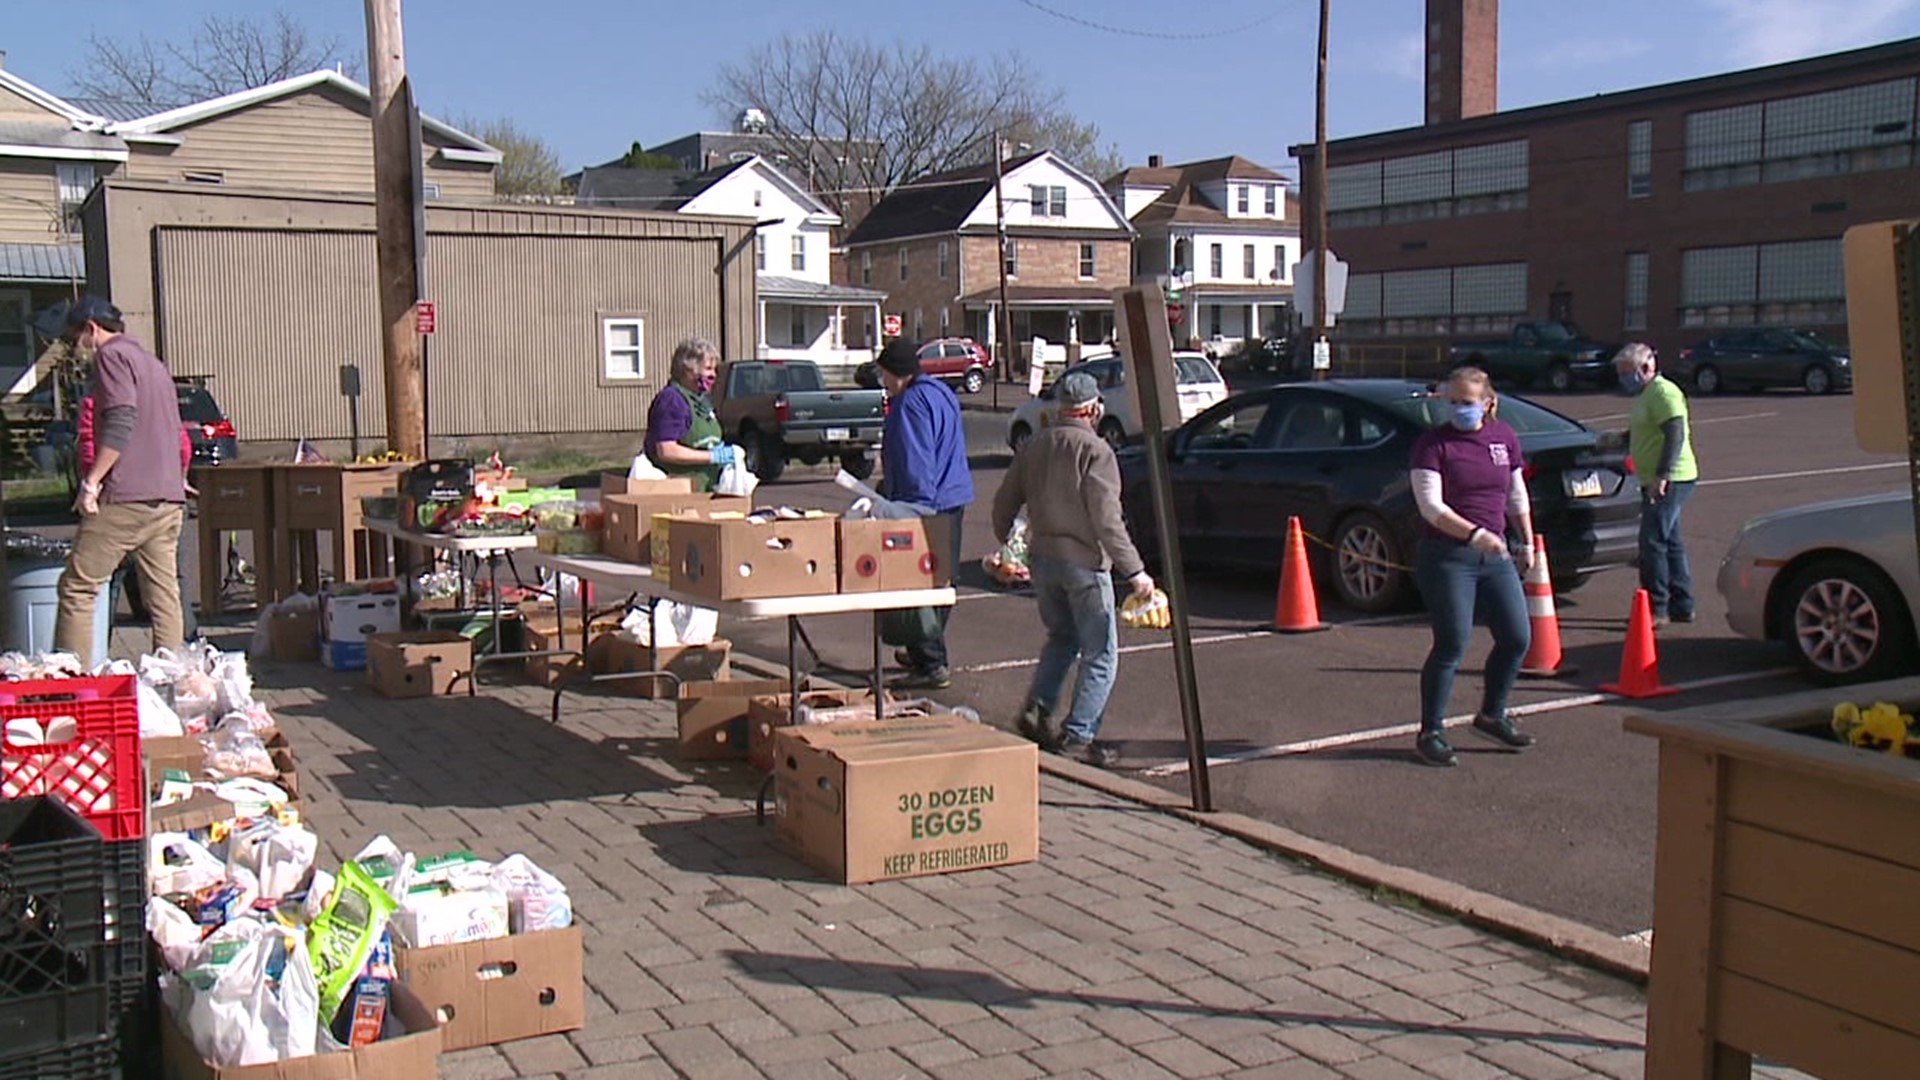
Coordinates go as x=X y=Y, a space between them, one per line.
x=961 y=360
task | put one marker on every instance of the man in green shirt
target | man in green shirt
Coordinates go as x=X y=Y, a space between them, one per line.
x=1662 y=448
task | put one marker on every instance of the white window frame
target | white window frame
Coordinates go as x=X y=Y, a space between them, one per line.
x=623 y=374
x=1249 y=262
x=1273 y=199
x=944 y=255
x=759 y=251
x=1037 y=200
x=1217 y=262
x=1011 y=253
x=1057 y=201
x=76 y=180
x=1279 y=262
x=800 y=252
x=903 y=264
x=866 y=268
x=1089 y=260
x=1242 y=199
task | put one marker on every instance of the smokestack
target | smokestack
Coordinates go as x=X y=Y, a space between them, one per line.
x=1463 y=59
x=1153 y=160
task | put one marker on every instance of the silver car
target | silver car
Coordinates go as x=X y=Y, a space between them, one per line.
x=1198 y=383
x=1838 y=582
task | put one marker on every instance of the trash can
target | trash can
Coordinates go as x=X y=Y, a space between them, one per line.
x=33 y=568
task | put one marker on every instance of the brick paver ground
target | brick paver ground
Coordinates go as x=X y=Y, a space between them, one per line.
x=1138 y=946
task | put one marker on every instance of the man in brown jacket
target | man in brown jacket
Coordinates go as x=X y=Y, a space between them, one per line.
x=1077 y=544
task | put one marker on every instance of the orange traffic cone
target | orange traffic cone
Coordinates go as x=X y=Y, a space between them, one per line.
x=1295 y=610
x=1640 y=663
x=1543 y=656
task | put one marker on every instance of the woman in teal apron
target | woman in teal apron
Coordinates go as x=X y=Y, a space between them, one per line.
x=684 y=437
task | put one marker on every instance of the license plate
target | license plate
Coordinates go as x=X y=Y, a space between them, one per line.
x=1584 y=485
x=840 y=434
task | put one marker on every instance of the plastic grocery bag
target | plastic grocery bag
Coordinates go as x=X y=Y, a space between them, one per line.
x=673 y=624
x=1152 y=613
x=736 y=479
x=236 y=1013
x=1008 y=565
x=536 y=900
x=643 y=468
x=157 y=718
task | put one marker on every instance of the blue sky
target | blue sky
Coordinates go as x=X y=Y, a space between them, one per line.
x=591 y=76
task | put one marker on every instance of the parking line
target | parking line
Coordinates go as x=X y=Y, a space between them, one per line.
x=1804 y=473
x=1215 y=639
x=1731 y=419
x=1328 y=742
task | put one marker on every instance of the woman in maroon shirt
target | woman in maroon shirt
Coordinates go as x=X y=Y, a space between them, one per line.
x=1468 y=485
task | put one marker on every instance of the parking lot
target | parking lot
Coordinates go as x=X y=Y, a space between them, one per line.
x=1313 y=730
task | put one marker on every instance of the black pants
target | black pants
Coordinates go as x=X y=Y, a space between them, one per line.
x=932 y=655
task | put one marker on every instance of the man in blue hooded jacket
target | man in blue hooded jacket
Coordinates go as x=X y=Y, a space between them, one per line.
x=924 y=460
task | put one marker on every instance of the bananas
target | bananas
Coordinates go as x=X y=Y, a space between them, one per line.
x=1152 y=613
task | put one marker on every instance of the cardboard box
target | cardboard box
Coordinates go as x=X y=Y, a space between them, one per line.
x=407 y=1057
x=293 y=637
x=713 y=717
x=189 y=755
x=736 y=559
x=434 y=915
x=660 y=531
x=619 y=484
x=883 y=555
x=874 y=801
x=692 y=663
x=765 y=714
x=629 y=532
x=351 y=620
x=417 y=663
x=544 y=634
x=499 y=990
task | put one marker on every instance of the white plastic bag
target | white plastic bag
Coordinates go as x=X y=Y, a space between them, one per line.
x=736 y=479
x=173 y=930
x=673 y=624
x=157 y=718
x=243 y=1017
x=643 y=468
x=536 y=900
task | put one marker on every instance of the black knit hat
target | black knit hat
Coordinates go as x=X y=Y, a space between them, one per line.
x=901 y=357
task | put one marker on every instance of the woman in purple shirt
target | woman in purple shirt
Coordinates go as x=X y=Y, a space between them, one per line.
x=1468 y=484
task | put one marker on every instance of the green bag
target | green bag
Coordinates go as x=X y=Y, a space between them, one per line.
x=909 y=626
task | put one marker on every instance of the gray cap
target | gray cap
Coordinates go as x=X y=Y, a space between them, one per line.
x=1077 y=390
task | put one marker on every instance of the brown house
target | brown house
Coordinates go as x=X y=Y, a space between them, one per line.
x=931 y=246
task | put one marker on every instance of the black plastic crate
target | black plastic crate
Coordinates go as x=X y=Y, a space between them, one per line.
x=88 y=1059
x=53 y=988
x=123 y=948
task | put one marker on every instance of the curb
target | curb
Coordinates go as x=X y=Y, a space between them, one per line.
x=1554 y=934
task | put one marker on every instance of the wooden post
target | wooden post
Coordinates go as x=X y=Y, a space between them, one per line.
x=395 y=175
x=1005 y=315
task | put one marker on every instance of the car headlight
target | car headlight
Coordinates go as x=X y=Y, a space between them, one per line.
x=1843 y=361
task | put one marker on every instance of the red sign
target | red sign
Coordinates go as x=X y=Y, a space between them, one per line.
x=891 y=325
x=423 y=317
x=1173 y=314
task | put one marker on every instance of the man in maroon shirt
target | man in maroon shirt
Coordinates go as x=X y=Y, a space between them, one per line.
x=132 y=495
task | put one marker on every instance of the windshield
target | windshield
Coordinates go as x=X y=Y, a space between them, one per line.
x=1524 y=417
x=1193 y=369
x=197 y=406
x=1549 y=331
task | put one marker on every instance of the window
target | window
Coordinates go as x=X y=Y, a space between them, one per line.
x=919 y=324
x=799 y=251
x=1856 y=129
x=1086 y=261
x=1480 y=299
x=204 y=176
x=1796 y=283
x=1636 y=314
x=1313 y=425
x=1246 y=262
x=1485 y=179
x=945 y=320
x=623 y=349
x=903 y=264
x=756 y=196
x=759 y=251
x=1217 y=261
x=1279 y=262
x=797 y=327
x=943 y=260
x=76 y=182
x=866 y=268
x=1045 y=201
x=1010 y=254
x=1057 y=202
x=1213 y=320
x=427 y=191
x=1273 y=200
x=1237 y=428
x=1240 y=198
x=1639 y=159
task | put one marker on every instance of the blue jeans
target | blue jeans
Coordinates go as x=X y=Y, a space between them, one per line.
x=931 y=655
x=1457 y=582
x=1663 y=555
x=1076 y=606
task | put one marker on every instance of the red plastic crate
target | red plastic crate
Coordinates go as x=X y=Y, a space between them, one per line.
x=77 y=740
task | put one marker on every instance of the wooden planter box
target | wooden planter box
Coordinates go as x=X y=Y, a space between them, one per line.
x=1786 y=893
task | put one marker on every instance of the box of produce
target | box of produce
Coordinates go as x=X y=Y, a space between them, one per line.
x=568 y=526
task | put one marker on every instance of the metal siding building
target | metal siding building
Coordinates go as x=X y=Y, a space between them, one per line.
x=270 y=293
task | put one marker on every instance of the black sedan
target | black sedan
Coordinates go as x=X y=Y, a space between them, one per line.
x=1760 y=359
x=1336 y=454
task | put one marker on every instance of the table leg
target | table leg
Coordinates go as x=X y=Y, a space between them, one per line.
x=560 y=612
x=879 y=673
x=793 y=657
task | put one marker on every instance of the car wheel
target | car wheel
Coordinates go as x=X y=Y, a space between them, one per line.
x=858 y=466
x=766 y=455
x=1706 y=379
x=1111 y=431
x=1365 y=561
x=973 y=380
x=1817 y=379
x=1845 y=623
x=1019 y=436
x=1559 y=376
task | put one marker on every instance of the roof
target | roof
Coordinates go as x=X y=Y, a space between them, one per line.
x=982 y=171
x=60 y=107
x=42 y=262
x=466 y=148
x=1767 y=78
x=1231 y=167
x=115 y=109
x=57 y=139
x=644 y=189
x=1145 y=176
x=775 y=287
x=920 y=209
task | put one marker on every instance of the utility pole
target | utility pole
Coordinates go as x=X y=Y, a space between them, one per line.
x=396 y=242
x=1323 y=250
x=1005 y=315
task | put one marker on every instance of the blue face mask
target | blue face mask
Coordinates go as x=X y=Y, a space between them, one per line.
x=1632 y=382
x=1467 y=415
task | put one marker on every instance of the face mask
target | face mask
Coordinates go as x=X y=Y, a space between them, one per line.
x=705 y=383
x=1467 y=415
x=1633 y=382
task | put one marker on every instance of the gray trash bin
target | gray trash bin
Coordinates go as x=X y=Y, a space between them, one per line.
x=33 y=568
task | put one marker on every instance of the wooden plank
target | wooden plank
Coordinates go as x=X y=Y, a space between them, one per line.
x=1680 y=1038
x=1826 y=885
x=1815 y=808
x=1825 y=964
x=1815 y=1038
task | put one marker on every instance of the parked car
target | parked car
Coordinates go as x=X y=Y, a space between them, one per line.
x=961 y=361
x=1836 y=582
x=214 y=438
x=782 y=410
x=1336 y=454
x=1551 y=355
x=1200 y=386
x=1761 y=359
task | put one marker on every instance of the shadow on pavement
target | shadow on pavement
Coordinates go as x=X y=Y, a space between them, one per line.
x=727 y=845
x=988 y=988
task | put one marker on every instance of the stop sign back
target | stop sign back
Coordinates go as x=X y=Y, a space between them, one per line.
x=891 y=325
x=1174 y=314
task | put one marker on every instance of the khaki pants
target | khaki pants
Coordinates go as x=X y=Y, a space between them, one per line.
x=151 y=531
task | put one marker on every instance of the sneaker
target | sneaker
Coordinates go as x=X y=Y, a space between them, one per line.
x=1032 y=723
x=1660 y=621
x=1432 y=748
x=1683 y=616
x=903 y=658
x=1100 y=755
x=1503 y=731
x=933 y=679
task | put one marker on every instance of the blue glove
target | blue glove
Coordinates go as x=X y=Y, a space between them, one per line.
x=724 y=454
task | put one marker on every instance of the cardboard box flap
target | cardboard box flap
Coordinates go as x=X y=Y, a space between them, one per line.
x=406 y=1057
x=856 y=741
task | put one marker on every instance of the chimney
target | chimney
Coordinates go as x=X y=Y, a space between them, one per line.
x=3 y=59
x=1463 y=59
x=1153 y=160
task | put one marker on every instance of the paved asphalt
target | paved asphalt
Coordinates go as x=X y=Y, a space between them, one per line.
x=1567 y=827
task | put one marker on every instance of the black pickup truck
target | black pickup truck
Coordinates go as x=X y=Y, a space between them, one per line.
x=1552 y=355
x=782 y=410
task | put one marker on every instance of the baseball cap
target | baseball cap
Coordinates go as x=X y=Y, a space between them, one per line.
x=1077 y=390
x=90 y=309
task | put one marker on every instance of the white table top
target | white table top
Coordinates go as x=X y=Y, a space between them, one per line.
x=627 y=577
x=459 y=544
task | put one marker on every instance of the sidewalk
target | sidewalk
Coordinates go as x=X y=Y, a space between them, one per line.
x=1139 y=946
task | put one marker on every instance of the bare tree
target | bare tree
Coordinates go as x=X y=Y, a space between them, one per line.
x=860 y=118
x=223 y=55
x=529 y=166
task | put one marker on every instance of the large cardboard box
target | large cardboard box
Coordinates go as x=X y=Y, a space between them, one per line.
x=630 y=518
x=771 y=711
x=620 y=484
x=407 y=1057
x=346 y=622
x=887 y=554
x=189 y=755
x=878 y=800
x=714 y=717
x=544 y=633
x=737 y=559
x=418 y=663
x=294 y=636
x=500 y=989
x=692 y=663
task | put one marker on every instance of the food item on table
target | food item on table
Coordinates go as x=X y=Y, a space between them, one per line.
x=380 y=507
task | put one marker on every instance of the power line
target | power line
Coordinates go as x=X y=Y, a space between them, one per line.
x=1159 y=35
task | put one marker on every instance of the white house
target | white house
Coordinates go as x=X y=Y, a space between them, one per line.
x=803 y=315
x=1223 y=236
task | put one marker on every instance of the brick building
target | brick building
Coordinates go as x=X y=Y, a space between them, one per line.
x=1658 y=214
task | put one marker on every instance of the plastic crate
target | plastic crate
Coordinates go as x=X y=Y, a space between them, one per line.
x=124 y=933
x=86 y=1059
x=77 y=740
x=53 y=989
